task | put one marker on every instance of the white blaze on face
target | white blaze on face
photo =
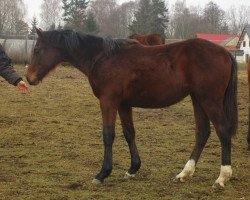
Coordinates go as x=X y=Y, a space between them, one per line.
x=188 y=171
x=225 y=175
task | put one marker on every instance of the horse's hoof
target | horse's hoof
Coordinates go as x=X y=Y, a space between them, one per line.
x=218 y=186
x=96 y=181
x=178 y=179
x=175 y=180
x=128 y=175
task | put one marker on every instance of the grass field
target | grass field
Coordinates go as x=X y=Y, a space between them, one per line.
x=51 y=146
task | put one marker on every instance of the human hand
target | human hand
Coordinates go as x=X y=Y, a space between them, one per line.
x=23 y=87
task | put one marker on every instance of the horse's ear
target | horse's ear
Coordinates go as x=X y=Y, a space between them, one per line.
x=39 y=32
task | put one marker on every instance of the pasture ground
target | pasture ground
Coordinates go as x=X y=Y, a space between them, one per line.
x=51 y=146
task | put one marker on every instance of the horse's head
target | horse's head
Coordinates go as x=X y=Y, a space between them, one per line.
x=45 y=57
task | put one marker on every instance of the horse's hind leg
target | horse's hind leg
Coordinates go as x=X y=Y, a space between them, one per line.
x=202 y=134
x=224 y=130
x=125 y=114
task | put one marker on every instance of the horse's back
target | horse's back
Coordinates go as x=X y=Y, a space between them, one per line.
x=159 y=76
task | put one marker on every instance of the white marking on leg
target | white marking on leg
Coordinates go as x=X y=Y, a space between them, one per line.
x=128 y=175
x=96 y=181
x=187 y=172
x=225 y=175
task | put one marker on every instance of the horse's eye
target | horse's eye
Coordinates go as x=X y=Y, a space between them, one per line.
x=36 y=50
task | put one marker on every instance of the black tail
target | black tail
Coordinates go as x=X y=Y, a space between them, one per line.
x=230 y=98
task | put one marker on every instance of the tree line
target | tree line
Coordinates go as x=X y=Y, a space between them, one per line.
x=108 y=18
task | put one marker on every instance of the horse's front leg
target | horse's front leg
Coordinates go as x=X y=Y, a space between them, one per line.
x=125 y=114
x=109 y=112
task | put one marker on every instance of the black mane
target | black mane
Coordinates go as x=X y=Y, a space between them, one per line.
x=110 y=46
x=67 y=39
x=71 y=40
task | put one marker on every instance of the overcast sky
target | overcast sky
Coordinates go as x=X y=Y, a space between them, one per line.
x=33 y=6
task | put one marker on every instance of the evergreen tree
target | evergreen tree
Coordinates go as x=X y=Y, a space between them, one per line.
x=143 y=18
x=66 y=8
x=52 y=27
x=74 y=13
x=91 y=25
x=33 y=26
x=59 y=27
x=152 y=16
x=22 y=28
x=159 y=17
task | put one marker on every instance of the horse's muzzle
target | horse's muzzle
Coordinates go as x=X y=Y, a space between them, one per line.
x=32 y=82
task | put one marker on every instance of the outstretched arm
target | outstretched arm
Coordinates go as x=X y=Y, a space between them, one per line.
x=9 y=74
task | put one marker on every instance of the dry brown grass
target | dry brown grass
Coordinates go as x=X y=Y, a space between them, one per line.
x=51 y=147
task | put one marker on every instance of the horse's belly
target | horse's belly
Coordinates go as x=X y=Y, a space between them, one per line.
x=156 y=99
x=156 y=89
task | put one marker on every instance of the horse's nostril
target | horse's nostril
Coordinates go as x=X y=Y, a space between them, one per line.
x=32 y=82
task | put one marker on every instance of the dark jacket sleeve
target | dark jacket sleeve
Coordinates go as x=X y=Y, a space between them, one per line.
x=6 y=69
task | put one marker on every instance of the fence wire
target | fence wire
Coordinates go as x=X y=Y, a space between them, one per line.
x=18 y=48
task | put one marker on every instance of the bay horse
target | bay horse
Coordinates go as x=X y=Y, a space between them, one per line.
x=124 y=74
x=248 y=136
x=148 y=39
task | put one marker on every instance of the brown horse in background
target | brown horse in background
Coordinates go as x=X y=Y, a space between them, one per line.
x=248 y=136
x=148 y=39
x=124 y=74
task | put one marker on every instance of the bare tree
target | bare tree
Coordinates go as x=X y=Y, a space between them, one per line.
x=11 y=16
x=102 y=10
x=183 y=23
x=121 y=18
x=244 y=16
x=232 y=20
x=214 y=19
x=50 y=13
x=238 y=17
x=3 y=15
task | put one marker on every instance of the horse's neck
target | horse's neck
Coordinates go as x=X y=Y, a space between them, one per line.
x=83 y=58
x=80 y=62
